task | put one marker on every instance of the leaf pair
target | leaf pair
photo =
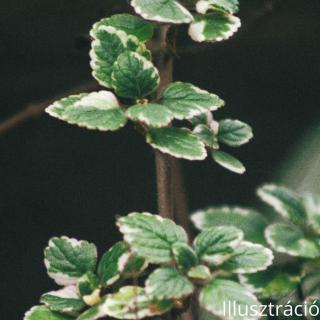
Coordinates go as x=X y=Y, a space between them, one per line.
x=302 y=212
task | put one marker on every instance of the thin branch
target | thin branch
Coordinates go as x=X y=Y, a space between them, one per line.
x=36 y=109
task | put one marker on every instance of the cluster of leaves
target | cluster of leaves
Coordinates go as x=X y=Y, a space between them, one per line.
x=214 y=20
x=155 y=250
x=121 y=62
x=298 y=236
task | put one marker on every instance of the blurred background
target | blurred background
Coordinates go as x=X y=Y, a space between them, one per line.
x=57 y=179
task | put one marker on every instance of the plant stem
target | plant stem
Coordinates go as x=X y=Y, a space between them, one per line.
x=172 y=201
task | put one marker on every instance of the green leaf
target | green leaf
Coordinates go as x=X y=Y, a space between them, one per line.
x=152 y=114
x=134 y=76
x=130 y=24
x=178 y=142
x=216 y=244
x=228 y=161
x=214 y=27
x=312 y=205
x=200 y=272
x=88 y=283
x=108 y=43
x=68 y=259
x=184 y=256
x=168 y=283
x=276 y=282
x=219 y=292
x=66 y=300
x=206 y=135
x=234 y=133
x=94 y=313
x=290 y=240
x=185 y=100
x=111 y=262
x=43 y=313
x=251 y=222
x=249 y=258
x=151 y=236
x=286 y=202
x=169 y=11
x=134 y=266
x=96 y=110
x=229 y=6
x=132 y=303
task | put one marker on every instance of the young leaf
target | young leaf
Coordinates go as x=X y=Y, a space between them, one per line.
x=130 y=24
x=167 y=11
x=228 y=6
x=152 y=114
x=68 y=259
x=200 y=273
x=66 y=300
x=216 y=244
x=111 y=262
x=184 y=256
x=134 y=266
x=43 y=313
x=276 y=282
x=151 y=236
x=133 y=303
x=134 y=76
x=228 y=161
x=214 y=27
x=206 y=135
x=87 y=284
x=178 y=142
x=185 y=100
x=96 y=110
x=284 y=201
x=312 y=205
x=249 y=258
x=168 y=283
x=216 y=295
x=249 y=221
x=234 y=133
x=290 y=240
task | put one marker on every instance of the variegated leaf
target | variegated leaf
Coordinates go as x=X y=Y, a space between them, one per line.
x=96 y=110
x=44 y=313
x=228 y=161
x=229 y=6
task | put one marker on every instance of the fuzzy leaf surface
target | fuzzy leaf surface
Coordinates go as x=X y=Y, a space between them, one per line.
x=228 y=161
x=130 y=24
x=134 y=76
x=249 y=258
x=168 y=283
x=151 y=236
x=66 y=300
x=68 y=259
x=169 y=11
x=216 y=244
x=185 y=100
x=152 y=114
x=290 y=240
x=286 y=202
x=214 y=296
x=178 y=142
x=43 y=313
x=214 y=27
x=251 y=222
x=234 y=133
x=96 y=110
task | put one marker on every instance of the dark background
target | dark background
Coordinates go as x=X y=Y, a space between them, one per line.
x=58 y=179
